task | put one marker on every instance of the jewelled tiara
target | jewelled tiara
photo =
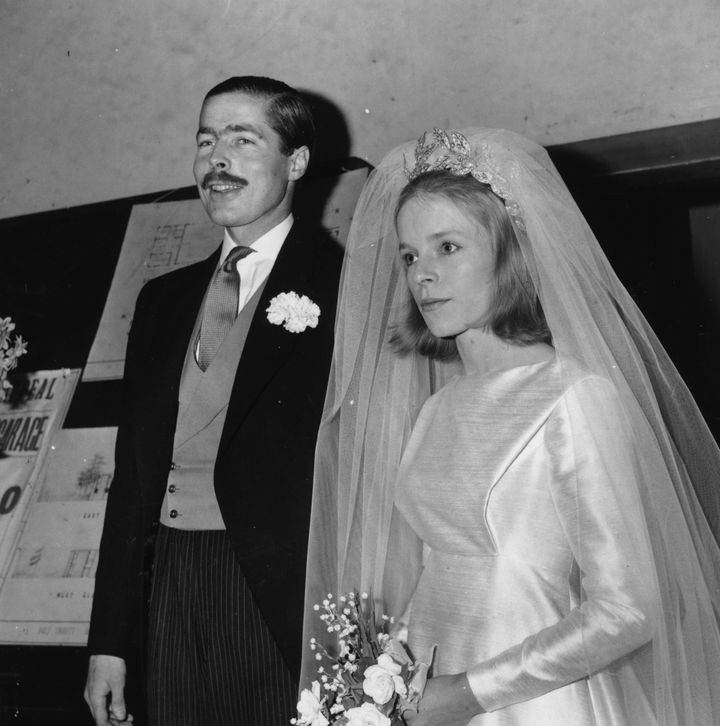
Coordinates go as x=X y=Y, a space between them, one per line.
x=451 y=151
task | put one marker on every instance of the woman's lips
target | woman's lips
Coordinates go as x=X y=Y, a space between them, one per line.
x=432 y=303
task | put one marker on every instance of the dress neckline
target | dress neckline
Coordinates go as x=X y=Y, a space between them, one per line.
x=498 y=372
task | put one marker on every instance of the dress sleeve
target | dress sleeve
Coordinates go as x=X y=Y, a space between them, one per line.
x=592 y=475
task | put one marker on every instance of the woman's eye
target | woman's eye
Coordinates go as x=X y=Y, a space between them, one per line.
x=408 y=258
x=448 y=247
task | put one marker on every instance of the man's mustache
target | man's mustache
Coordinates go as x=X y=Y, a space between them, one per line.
x=222 y=177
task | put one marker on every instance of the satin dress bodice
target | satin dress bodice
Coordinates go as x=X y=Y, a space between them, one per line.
x=534 y=579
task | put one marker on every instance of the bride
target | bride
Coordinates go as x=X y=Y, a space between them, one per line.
x=508 y=459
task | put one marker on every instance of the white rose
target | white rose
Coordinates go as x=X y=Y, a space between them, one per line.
x=366 y=715
x=309 y=707
x=386 y=661
x=383 y=680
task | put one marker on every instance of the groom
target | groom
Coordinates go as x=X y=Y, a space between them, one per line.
x=208 y=511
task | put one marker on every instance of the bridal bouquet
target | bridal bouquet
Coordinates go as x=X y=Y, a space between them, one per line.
x=10 y=351
x=371 y=680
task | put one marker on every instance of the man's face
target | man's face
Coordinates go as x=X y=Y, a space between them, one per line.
x=243 y=177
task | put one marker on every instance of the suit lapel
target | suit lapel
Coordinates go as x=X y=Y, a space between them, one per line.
x=174 y=313
x=267 y=345
x=180 y=310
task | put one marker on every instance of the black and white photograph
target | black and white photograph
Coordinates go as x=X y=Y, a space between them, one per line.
x=358 y=363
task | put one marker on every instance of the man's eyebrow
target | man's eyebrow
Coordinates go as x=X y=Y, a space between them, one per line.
x=230 y=128
x=244 y=128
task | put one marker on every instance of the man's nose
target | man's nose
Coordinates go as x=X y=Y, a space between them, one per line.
x=219 y=158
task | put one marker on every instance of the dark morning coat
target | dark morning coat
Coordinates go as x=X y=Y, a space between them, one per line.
x=263 y=471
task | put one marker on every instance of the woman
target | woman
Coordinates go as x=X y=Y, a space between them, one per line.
x=542 y=527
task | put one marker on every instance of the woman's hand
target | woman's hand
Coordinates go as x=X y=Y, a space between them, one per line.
x=446 y=701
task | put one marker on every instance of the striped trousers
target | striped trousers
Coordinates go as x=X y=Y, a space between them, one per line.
x=211 y=658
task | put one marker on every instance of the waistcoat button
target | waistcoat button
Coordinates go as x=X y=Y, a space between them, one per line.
x=173 y=513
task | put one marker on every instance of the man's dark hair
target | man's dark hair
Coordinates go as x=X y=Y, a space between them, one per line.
x=288 y=112
x=515 y=315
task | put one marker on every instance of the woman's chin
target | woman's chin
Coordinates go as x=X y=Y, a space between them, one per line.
x=439 y=331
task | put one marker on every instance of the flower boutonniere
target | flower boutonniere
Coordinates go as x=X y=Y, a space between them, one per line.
x=293 y=312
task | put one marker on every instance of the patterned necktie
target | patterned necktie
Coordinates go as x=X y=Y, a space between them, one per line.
x=221 y=306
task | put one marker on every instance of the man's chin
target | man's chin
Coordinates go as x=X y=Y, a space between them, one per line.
x=224 y=217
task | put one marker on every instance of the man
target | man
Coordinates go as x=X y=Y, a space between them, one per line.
x=215 y=447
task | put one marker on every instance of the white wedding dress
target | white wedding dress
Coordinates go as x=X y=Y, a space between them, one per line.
x=569 y=513
x=537 y=577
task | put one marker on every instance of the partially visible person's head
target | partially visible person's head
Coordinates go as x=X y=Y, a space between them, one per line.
x=253 y=144
x=288 y=114
x=493 y=283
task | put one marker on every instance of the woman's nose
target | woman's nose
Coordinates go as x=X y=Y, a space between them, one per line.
x=424 y=272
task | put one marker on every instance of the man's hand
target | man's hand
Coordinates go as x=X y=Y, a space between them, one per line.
x=106 y=682
x=446 y=701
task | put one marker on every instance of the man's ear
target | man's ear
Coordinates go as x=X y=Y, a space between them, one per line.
x=299 y=160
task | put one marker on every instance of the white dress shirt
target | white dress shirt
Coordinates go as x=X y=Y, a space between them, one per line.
x=255 y=268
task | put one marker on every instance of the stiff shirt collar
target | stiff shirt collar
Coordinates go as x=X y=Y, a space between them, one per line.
x=255 y=268
x=267 y=247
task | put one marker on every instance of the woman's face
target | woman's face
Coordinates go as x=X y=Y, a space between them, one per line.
x=449 y=264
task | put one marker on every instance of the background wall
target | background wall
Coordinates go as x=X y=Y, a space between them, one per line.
x=100 y=97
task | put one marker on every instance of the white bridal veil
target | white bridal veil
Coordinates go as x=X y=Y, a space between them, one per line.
x=670 y=497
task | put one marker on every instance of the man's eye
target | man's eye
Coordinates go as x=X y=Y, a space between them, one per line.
x=204 y=142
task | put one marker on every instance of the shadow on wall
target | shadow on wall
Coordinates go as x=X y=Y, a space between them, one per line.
x=328 y=160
